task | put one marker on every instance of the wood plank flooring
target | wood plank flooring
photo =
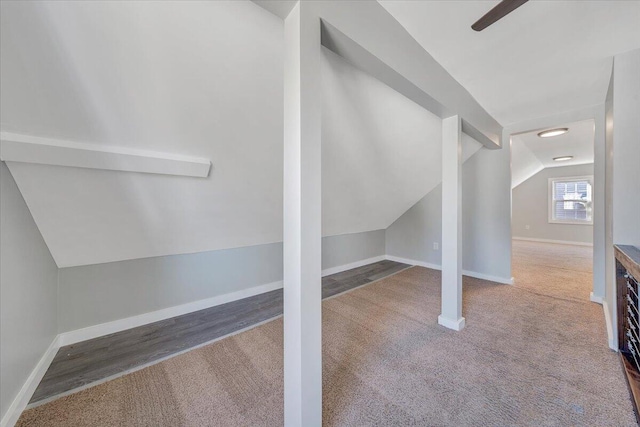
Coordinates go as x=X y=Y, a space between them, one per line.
x=78 y=365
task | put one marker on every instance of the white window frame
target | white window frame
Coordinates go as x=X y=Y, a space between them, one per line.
x=550 y=199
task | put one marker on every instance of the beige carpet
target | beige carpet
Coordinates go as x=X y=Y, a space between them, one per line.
x=531 y=355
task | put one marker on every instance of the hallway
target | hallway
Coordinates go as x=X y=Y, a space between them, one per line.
x=532 y=354
x=559 y=271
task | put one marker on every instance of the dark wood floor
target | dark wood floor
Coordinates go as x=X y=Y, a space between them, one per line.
x=78 y=365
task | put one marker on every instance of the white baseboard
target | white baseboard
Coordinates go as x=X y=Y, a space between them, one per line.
x=107 y=328
x=413 y=262
x=78 y=335
x=488 y=277
x=596 y=298
x=345 y=267
x=456 y=325
x=24 y=395
x=559 y=242
x=468 y=273
x=612 y=340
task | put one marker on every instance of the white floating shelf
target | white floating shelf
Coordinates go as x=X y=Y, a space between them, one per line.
x=45 y=151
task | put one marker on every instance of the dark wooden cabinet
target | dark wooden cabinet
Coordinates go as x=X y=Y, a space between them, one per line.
x=628 y=308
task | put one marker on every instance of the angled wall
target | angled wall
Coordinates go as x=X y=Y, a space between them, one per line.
x=486 y=220
x=28 y=293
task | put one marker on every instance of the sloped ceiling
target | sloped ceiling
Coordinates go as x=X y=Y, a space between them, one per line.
x=530 y=153
x=577 y=142
x=201 y=79
x=524 y=164
x=545 y=58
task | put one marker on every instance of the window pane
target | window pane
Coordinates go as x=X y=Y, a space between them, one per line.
x=571 y=211
x=572 y=201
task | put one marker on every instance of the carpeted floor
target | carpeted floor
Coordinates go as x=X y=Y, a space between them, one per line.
x=534 y=354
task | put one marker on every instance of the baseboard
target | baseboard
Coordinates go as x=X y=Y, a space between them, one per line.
x=24 y=395
x=413 y=262
x=559 y=242
x=596 y=298
x=468 y=273
x=456 y=325
x=345 y=267
x=611 y=338
x=488 y=277
x=90 y=332
x=107 y=328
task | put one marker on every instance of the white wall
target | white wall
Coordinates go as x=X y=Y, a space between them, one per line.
x=350 y=248
x=94 y=294
x=486 y=218
x=203 y=79
x=626 y=148
x=413 y=234
x=610 y=304
x=524 y=164
x=486 y=212
x=28 y=292
x=531 y=204
x=622 y=169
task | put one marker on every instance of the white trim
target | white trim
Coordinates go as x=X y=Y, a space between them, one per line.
x=557 y=242
x=456 y=325
x=46 y=151
x=607 y=319
x=90 y=332
x=356 y=264
x=327 y=272
x=413 y=262
x=107 y=328
x=24 y=395
x=551 y=199
x=596 y=298
x=506 y=281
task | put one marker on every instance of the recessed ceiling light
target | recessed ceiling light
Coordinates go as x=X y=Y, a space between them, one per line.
x=563 y=158
x=552 y=132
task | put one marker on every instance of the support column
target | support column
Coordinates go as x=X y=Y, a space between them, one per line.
x=302 y=220
x=451 y=316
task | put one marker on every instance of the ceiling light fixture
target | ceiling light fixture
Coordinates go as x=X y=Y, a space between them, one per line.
x=552 y=132
x=562 y=159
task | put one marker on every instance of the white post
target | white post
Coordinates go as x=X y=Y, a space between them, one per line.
x=451 y=316
x=302 y=220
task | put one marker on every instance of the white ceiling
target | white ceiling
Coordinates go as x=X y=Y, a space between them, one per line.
x=544 y=58
x=201 y=79
x=578 y=142
x=530 y=153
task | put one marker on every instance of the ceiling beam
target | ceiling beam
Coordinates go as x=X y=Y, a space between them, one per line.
x=369 y=37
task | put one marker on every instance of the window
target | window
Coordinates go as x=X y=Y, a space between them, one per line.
x=570 y=200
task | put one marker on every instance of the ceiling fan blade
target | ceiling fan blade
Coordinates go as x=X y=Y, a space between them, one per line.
x=499 y=11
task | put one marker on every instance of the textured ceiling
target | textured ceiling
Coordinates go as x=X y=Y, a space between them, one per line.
x=201 y=79
x=544 y=58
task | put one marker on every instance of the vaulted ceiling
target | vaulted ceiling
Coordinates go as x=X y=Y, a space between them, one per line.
x=577 y=143
x=544 y=58
x=530 y=153
x=201 y=79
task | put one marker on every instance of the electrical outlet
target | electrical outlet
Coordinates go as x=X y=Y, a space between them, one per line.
x=526 y=227
x=435 y=246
